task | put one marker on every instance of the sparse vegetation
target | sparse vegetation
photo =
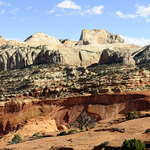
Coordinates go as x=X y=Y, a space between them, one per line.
x=133 y=115
x=62 y=133
x=15 y=139
x=147 y=130
x=133 y=144
x=86 y=121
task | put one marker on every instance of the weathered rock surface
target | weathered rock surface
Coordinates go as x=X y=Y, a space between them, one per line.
x=68 y=42
x=66 y=110
x=142 y=55
x=17 y=56
x=2 y=41
x=41 y=48
x=110 y=56
x=98 y=36
x=42 y=38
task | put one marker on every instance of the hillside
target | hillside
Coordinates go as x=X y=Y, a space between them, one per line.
x=49 y=85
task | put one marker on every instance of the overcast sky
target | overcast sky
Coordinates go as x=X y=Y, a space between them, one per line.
x=66 y=18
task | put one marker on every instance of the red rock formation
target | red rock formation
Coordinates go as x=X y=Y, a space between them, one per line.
x=66 y=110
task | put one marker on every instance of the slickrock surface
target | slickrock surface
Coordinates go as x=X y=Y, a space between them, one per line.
x=98 y=36
x=89 y=139
x=66 y=110
x=42 y=38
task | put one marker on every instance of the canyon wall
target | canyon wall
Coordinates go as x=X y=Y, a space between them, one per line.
x=66 y=110
x=41 y=48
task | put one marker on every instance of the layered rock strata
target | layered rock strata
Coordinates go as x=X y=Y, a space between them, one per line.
x=66 y=110
x=41 y=48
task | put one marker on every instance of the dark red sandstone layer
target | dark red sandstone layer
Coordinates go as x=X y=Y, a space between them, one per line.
x=66 y=110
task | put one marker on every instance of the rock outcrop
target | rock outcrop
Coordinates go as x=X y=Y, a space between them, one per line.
x=98 y=36
x=68 y=42
x=143 y=55
x=110 y=56
x=41 y=48
x=14 y=56
x=2 y=41
x=42 y=39
x=66 y=110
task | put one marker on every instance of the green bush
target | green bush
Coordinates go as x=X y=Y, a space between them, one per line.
x=134 y=115
x=62 y=133
x=36 y=134
x=72 y=131
x=147 y=130
x=16 y=138
x=130 y=116
x=133 y=144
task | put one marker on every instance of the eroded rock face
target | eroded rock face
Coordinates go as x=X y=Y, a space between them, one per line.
x=68 y=42
x=41 y=48
x=110 y=56
x=2 y=41
x=66 y=110
x=98 y=36
x=22 y=56
x=42 y=38
x=142 y=55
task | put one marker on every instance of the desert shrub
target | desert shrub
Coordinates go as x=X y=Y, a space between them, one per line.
x=86 y=121
x=72 y=131
x=36 y=134
x=139 y=113
x=15 y=139
x=133 y=144
x=115 y=129
x=62 y=133
x=130 y=116
x=133 y=115
x=147 y=130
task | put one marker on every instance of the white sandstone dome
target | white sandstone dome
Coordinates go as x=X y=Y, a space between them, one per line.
x=42 y=39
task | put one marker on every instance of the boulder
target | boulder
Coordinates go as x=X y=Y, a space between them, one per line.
x=110 y=56
x=98 y=36
x=42 y=39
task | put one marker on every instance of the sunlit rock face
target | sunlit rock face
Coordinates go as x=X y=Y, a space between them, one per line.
x=99 y=36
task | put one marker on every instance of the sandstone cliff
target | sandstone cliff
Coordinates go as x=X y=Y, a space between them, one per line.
x=2 y=41
x=98 y=36
x=41 y=48
x=66 y=110
x=143 y=55
x=110 y=56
